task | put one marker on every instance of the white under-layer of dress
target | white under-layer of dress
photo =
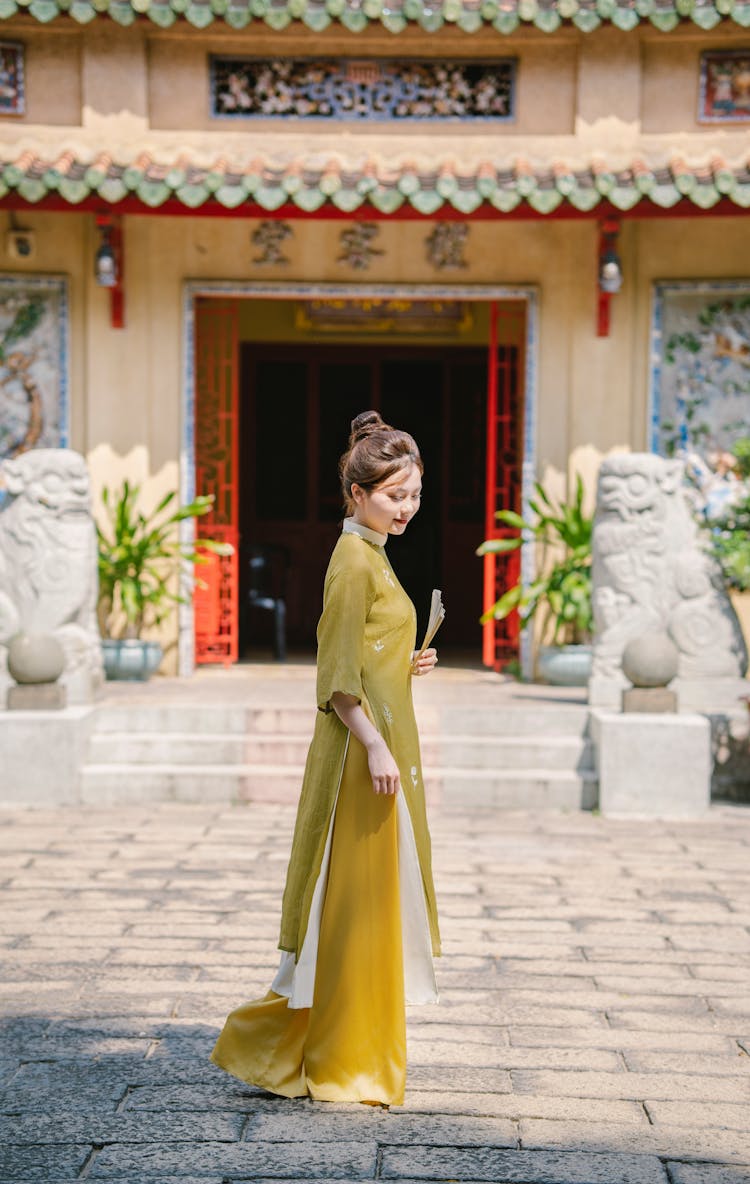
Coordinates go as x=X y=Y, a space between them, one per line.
x=296 y=980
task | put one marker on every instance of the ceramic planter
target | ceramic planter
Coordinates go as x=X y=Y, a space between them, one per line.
x=565 y=665
x=131 y=660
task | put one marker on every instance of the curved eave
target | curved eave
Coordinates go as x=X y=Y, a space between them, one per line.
x=505 y=16
x=372 y=186
x=485 y=211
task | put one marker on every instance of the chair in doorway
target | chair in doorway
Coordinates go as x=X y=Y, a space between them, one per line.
x=267 y=568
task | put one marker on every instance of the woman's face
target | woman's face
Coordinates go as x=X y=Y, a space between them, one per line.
x=389 y=507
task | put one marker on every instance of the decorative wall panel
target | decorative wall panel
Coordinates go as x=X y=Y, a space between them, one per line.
x=700 y=388
x=725 y=86
x=262 y=88
x=33 y=363
x=12 y=91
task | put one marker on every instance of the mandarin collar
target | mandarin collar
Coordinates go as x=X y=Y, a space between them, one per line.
x=372 y=536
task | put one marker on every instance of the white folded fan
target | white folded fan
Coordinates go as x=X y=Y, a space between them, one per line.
x=437 y=616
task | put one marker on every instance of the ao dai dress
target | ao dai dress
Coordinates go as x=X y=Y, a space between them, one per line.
x=359 y=921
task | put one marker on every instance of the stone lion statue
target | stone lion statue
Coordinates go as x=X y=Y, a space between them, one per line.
x=48 y=562
x=651 y=573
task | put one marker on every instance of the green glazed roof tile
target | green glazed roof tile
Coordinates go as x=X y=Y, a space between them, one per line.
x=268 y=197
x=347 y=200
x=544 y=201
x=396 y=15
x=741 y=196
x=440 y=185
x=505 y=199
x=387 y=200
x=625 y=19
x=466 y=201
x=309 y=200
x=427 y=201
x=665 y=21
x=192 y=196
x=665 y=193
x=112 y=190
x=705 y=196
x=506 y=22
x=153 y=193
x=44 y=10
x=73 y=189
x=585 y=199
x=32 y=189
x=624 y=197
x=232 y=196
x=587 y=21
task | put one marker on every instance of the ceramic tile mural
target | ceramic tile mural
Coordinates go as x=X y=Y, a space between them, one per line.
x=12 y=97
x=725 y=86
x=253 y=88
x=700 y=389
x=33 y=363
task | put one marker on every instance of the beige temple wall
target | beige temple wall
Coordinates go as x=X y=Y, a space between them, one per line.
x=126 y=385
x=570 y=84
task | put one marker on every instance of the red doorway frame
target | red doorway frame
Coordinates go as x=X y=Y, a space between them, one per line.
x=216 y=362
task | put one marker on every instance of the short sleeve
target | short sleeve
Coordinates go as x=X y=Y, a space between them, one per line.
x=347 y=600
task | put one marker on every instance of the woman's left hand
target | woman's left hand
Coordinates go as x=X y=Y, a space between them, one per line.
x=426 y=663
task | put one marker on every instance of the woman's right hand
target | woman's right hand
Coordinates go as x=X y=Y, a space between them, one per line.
x=383 y=768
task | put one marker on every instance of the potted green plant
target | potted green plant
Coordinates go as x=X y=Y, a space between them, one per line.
x=730 y=543
x=720 y=486
x=561 y=592
x=140 y=557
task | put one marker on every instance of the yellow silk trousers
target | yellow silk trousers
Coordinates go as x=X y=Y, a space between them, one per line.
x=350 y=1046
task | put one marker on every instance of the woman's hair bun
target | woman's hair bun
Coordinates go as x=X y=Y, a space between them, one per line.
x=376 y=451
x=364 y=424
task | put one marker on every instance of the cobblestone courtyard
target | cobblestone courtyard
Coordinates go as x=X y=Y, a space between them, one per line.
x=594 y=1026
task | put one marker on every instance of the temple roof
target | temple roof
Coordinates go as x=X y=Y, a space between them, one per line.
x=368 y=184
x=355 y=15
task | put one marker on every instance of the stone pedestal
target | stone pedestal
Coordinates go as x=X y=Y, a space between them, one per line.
x=43 y=753
x=652 y=766
x=649 y=700
x=46 y=696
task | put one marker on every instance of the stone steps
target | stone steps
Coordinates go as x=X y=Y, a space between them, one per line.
x=475 y=750
x=506 y=788
x=476 y=719
x=212 y=719
x=268 y=748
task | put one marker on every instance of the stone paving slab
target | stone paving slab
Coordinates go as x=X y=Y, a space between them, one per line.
x=593 y=1024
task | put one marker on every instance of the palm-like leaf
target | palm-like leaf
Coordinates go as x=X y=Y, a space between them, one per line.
x=140 y=554
x=563 y=589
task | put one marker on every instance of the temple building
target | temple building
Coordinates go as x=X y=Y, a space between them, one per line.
x=518 y=228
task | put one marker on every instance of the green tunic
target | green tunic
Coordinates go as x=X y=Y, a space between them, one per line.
x=366 y=636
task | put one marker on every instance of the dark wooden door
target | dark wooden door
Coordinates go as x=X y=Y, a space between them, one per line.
x=297 y=403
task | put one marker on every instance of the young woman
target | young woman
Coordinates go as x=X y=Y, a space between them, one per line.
x=359 y=922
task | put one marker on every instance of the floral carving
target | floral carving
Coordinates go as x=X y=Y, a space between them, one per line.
x=263 y=88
